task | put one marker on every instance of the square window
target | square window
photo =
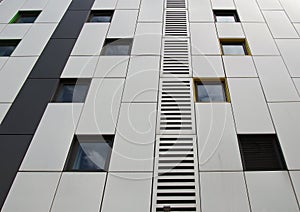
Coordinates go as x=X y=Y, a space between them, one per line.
x=120 y=46
x=7 y=47
x=25 y=17
x=211 y=90
x=234 y=47
x=101 y=16
x=226 y=16
x=90 y=153
x=72 y=90
x=261 y=153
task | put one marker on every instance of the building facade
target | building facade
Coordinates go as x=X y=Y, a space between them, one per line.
x=149 y=105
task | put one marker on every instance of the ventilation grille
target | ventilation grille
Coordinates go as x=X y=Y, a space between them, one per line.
x=261 y=152
x=175 y=4
x=176 y=23
x=176 y=60
x=176 y=112
x=176 y=174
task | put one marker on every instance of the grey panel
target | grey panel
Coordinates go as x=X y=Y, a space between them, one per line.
x=71 y=24
x=28 y=108
x=13 y=149
x=53 y=59
x=81 y=5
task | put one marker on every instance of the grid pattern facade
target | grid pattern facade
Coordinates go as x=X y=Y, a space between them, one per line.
x=169 y=151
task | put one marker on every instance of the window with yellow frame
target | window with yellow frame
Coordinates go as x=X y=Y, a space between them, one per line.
x=234 y=47
x=211 y=90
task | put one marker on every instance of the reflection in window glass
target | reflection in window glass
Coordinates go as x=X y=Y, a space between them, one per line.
x=101 y=16
x=117 y=47
x=233 y=49
x=26 y=17
x=90 y=153
x=225 y=18
x=210 y=91
x=7 y=47
x=72 y=91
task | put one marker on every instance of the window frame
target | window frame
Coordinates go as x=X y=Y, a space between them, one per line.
x=232 y=13
x=235 y=41
x=101 y=13
x=108 y=41
x=109 y=139
x=223 y=81
x=72 y=81
x=24 y=13
x=9 y=42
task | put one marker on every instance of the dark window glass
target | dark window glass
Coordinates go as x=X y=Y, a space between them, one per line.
x=26 y=17
x=90 y=153
x=261 y=153
x=117 y=47
x=226 y=16
x=72 y=90
x=101 y=16
x=234 y=48
x=7 y=47
x=211 y=91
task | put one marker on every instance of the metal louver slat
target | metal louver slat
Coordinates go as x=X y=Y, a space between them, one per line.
x=175 y=4
x=176 y=23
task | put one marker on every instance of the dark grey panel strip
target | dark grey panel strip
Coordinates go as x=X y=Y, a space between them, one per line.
x=21 y=122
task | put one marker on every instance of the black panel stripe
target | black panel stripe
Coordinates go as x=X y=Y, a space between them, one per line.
x=21 y=121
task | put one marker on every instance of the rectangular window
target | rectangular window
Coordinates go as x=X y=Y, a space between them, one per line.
x=211 y=90
x=90 y=153
x=234 y=47
x=7 y=47
x=118 y=46
x=101 y=16
x=261 y=153
x=226 y=16
x=72 y=90
x=25 y=17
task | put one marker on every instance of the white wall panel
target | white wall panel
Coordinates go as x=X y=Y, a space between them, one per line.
x=286 y=117
x=292 y=9
x=200 y=11
x=34 y=4
x=217 y=141
x=91 y=39
x=14 y=31
x=50 y=145
x=12 y=76
x=8 y=9
x=295 y=175
x=271 y=191
x=296 y=25
x=249 y=106
x=3 y=60
x=248 y=11
x=151 y=11
x=35 y=40
x=289 y=49
x=53 y=11
x=230 y=30
x=223 y=191
x=279 y=24
x=275 y=79
x=239 y=66
x=128 y=4
x=207 y=66
x=134 y=141
x=31 y=192
x=142 y=79
x=269 y=4
x=123 y=24
x=112 y=66
x=135 y=195
x=262 y=44
x=297 y=84
x=78 y=192
x=4 y=107
x=222 y=4
x=104 y=4
x=204 y=39
x=80 y=67
x=100 y=112
x=147 y=40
